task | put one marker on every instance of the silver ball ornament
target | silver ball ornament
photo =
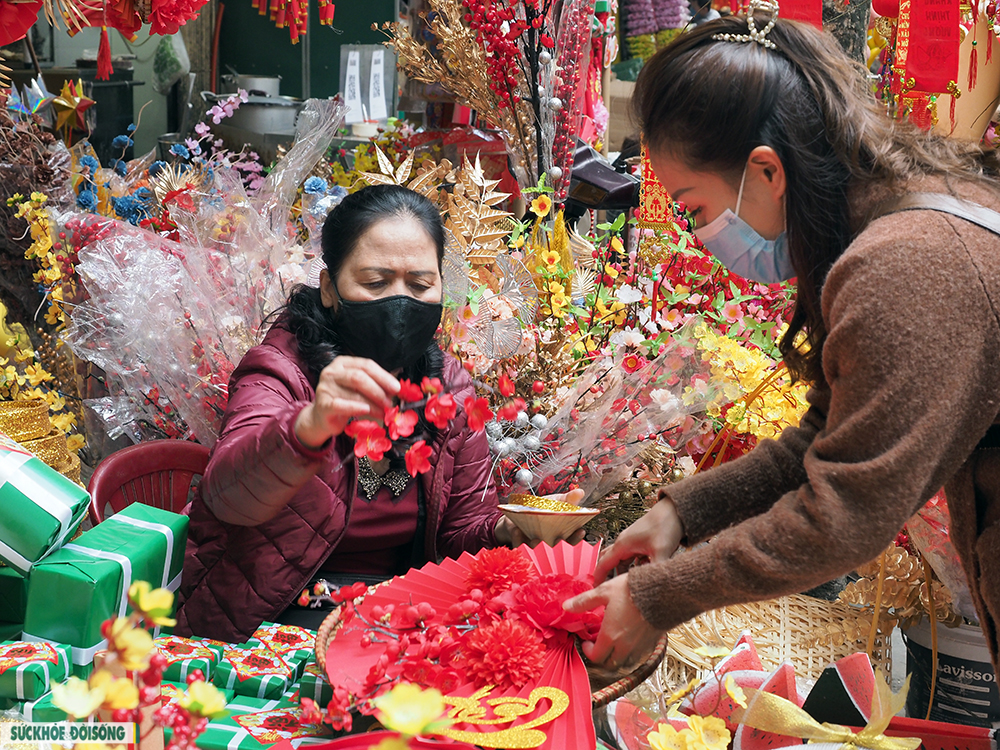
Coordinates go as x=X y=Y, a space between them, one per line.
x=522 y=420
x=555 y=103
x=556 y=173
x=524 y=477
x=494 y=430
x=539 y=421
x=532 y=443
x=544 y=57
x=510 y=443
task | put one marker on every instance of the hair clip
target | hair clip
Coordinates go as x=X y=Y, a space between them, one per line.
x=753 y=34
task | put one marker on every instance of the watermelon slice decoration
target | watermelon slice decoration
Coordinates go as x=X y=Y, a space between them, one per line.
x=781 y=682
x=844 y=692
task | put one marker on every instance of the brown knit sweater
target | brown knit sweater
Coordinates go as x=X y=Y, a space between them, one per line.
x=912 y=362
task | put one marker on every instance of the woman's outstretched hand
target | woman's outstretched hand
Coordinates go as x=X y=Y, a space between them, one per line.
x=653 y=538
x=625 y=638
x=348 y=387
x=508 y=534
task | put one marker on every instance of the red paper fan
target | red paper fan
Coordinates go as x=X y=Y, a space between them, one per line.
x=347 y=662
x=16 y=17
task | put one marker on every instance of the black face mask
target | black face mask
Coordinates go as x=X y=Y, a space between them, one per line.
x=394 y=331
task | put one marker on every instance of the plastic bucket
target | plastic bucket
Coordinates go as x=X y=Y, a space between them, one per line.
x=966 y=691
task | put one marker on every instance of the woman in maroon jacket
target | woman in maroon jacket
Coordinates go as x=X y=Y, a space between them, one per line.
x=283 y=501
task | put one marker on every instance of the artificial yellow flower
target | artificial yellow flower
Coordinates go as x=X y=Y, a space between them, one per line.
x=683 y=692
x=616 y=245
x=712 y=652
x=610 y=270
x=75 y=442
x=541 y=206
x=118 y=692
x=550 y=258
x=556 y=288
x=37 y=374
x=77 y=698
x=132 y=644
x=559 y=301
x=155 y=604
x=11 y=375
x=665 y=737
x=736 y=692
x=56 y=402
x=409 y=710
x=63 y=422
x=203 y=699
x=709 y=733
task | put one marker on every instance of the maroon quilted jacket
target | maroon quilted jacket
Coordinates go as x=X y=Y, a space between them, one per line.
x=237 y=576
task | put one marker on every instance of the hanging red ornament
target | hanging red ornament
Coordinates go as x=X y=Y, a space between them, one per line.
x=104 y=67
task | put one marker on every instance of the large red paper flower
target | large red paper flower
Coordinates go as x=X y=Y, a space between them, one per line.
x=168 y=16
x=539 y=602
x=507 y=653
x=16 y=19
x=369 y=439
x=494 y=571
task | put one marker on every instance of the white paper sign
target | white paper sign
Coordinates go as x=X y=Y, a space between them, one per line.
x=376 y=88
x=352 y=88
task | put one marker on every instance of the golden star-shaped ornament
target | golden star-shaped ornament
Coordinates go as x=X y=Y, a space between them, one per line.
x=71 y=105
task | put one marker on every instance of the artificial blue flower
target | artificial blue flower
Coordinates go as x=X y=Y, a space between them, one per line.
x=155 y=167
x=121 y=141
x=131 y=127
x=119 y=167
x=87 y=199
x=315 y=186
x=129 y=208
x=179 y=149
x=90 y=163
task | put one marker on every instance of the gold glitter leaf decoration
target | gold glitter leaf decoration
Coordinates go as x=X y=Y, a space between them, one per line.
x=173 y=177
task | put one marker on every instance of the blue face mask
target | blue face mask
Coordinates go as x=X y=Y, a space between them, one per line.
x=742 y=250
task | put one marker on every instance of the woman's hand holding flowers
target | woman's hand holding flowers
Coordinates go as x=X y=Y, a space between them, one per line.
x=348 y=387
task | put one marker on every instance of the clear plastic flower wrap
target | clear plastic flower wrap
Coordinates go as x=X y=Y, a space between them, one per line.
x=169 y=321
x=610 y=416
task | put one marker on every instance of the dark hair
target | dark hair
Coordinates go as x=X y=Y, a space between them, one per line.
x=709 y=103
x=305 y=315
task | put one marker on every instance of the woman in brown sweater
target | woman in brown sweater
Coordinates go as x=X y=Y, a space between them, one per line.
x=775 y=142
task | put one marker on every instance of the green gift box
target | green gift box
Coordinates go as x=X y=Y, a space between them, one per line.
x=314 y=685
x=77 y=588
x=13 y=596
x=28 y=669
x=41 y=709
x=259 y=728
x=184 y=655
x=217 y=646
x=39 y=507
x=171 y=691
x=297 y=646
x=257 y=672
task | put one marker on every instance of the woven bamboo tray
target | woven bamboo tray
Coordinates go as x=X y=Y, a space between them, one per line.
x=603 y=693
x=811 y=633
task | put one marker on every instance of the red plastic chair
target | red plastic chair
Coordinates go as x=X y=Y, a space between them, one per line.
x=158 y=473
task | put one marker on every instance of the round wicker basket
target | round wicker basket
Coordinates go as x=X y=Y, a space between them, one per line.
x=606 y=688
x=811 y=633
